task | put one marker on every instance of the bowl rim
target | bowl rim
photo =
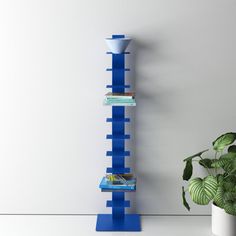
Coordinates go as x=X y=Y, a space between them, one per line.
x=121 y=39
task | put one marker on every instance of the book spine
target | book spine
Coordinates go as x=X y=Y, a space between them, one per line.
x=120 y=97
x=120 y=100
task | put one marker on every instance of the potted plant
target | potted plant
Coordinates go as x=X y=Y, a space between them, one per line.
x=218 y=186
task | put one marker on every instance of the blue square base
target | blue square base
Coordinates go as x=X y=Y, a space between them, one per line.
x=131 y=222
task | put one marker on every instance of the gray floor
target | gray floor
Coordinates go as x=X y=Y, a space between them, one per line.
x=28 y=225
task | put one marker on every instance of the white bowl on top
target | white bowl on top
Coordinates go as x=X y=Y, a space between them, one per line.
x=117 y=45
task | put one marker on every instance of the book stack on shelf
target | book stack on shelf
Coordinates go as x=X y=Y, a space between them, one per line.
x=120 y=99
x=118 y=182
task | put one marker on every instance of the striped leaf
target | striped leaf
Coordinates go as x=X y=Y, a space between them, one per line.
x=231 y=178
x=229 y=156
x=220 y=179
x=222 y=196
x=230 y=167
x=229 y=196
x=224 y=140
x=202 y=191
x=229 y=185
x=224 y=160
x=219 y=197
x=219 y=163
x=230 y=208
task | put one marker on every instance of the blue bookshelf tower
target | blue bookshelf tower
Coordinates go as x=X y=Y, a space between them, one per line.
x=118 y=220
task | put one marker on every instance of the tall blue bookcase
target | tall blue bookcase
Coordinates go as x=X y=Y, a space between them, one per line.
x=118 y=220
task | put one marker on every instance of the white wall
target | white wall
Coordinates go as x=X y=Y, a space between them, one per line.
x=52 y=82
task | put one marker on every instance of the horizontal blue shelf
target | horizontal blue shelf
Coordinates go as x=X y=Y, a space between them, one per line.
x=118 y=170
x=118 y=154
x=118 y=120
x=118 y=190
x=121 y=69
x=111 y=136
x=118 y=86
x=118 y=54
x=118 y=204
x=120 y=104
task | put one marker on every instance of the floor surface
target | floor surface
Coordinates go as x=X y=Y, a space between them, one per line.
x=74 y=225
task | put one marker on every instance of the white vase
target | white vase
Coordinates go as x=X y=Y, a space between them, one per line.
x=117 y=45
x=223 y=224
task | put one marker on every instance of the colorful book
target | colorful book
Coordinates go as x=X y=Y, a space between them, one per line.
x=107 y=185
x=130 y=100
x=120 y=95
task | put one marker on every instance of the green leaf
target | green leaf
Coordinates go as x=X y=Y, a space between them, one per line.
x=219 y=163
x=230 y=155
x=218 y=199
x=231 y=178
x=206 y=163
x=228 y=186
x=195 y=155
x=222 y=197
x=224 y=140
x=185 y=203
x=223 y=160
x=229 y=196
x=232 y=148
x=188 y=170
x=202 y=191
x=220 y=179
x=230 y=208
x=230 y=167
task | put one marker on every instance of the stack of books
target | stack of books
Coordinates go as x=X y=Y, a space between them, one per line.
x=120 y=99
x=118 y=182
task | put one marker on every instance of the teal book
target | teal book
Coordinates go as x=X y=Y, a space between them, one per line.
x=120 y=103
x=120 y=100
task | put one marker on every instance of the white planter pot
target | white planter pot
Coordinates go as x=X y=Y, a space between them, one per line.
x=117 y=45
x=223 y=224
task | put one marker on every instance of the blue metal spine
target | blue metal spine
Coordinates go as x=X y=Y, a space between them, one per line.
x=118 y=128
x=118 y=220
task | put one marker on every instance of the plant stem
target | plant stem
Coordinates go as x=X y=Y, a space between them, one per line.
x=215 y=160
